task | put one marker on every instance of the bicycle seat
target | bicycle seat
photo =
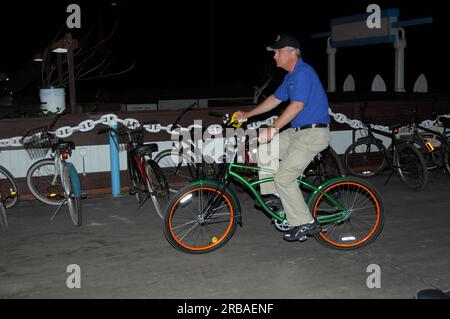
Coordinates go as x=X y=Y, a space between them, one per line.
x=445 y=121
x=147 y=148
x=63 y=146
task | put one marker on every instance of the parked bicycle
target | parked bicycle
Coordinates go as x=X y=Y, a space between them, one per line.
x=183 y=164
x=146 y=176
x=8 y=195
x=53 y=180
x=203 y=215
x=368 y=156
x=433 y=143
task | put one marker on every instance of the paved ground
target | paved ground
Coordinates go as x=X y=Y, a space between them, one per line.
x=122 y=253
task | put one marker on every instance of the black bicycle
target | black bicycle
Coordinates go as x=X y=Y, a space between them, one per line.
x=183 y=163
x=433 y=143
x=325 y=165
x=368 y=156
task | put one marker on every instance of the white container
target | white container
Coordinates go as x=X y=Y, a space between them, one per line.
x=52 y=100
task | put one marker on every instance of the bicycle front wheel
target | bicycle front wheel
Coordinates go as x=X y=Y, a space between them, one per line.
x=411 y=167
x=72 y=193
x=365 y=158
x=157 y=187
x=432 y=159
x=350 y=212
x=8 y=187
x=3 y=220
x=200 y=218
x=44 y=182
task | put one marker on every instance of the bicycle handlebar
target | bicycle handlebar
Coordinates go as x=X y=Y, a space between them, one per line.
x=190 y=107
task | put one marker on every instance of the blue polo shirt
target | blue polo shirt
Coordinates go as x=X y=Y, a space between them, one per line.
x=303 y=85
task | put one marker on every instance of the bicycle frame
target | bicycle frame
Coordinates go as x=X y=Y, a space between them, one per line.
x=231 y=174
x=440 y=136
x=394 y=142
x=59 y=167
x=135 y=163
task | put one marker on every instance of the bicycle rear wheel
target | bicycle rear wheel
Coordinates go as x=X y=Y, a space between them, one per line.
x=432 y=159
x=72 y=193
x=3 y=220
x=326 y=165
x=350 y=212
x=200 y=218
x=8 y=188
x=410 y=167
x=178 y=171
x=157 y=187
x=365 y=158
x=44 y=183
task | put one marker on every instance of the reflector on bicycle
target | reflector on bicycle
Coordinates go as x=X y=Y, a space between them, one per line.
x=185 y=200
x=429 y=146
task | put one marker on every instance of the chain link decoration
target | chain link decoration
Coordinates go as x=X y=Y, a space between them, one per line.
x=112 y=119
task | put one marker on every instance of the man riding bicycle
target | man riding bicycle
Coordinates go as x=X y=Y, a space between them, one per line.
x=309 y=134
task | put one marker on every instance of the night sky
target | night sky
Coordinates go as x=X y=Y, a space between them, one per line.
x=190 y=45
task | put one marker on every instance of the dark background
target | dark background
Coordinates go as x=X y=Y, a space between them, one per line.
x=208 y=48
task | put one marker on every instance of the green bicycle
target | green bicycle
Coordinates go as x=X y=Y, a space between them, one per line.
x=203 y=216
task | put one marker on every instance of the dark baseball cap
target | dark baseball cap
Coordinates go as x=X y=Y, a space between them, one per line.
x=284 y=40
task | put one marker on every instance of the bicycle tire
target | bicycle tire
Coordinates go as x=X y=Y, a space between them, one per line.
x=447 y=161
x=353 y=232
x=446 y=154
x=72 y=192
x=177 y=172
x=213 y=232
x=8 y=181
x=408 y=161
x=157 y=187
x=3 y=219
x=365 y=165
x=432 y=160
x=329 y=165
x=39 y=177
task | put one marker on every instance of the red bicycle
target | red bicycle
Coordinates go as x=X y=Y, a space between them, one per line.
x=146 y=176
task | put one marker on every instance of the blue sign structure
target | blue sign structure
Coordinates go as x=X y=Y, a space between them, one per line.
x=355 y=31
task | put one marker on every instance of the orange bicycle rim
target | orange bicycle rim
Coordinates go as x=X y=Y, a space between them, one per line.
x=216 y=242
x=373 y=229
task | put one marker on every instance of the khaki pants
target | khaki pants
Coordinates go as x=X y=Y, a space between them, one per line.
x=288 y=154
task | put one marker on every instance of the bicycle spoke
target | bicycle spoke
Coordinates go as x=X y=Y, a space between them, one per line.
x=360 y=215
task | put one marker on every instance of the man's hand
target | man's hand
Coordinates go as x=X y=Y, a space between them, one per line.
x=241 y=115
x=266 y=134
